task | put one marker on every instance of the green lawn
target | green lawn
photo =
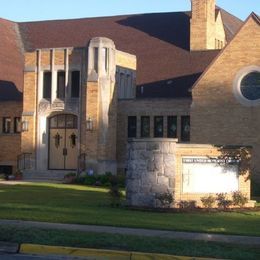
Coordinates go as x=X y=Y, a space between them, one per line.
x=87 y=205
x=129 y=243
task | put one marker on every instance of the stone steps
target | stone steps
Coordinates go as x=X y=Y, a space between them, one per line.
x=50 y=176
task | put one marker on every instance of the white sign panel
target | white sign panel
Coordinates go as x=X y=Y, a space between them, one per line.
x=206 y=175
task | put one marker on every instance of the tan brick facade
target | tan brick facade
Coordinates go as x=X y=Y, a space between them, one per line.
x=207 y=31
x=216 y=115
x=10 y=142
x=151 y=108
x=204 y=151
x=108 y=96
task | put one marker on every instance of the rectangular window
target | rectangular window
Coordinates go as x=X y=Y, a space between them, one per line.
x=61 y=84
x=158 y=126
x=122 y=84
x=75 y=84
x=145 y=126
x=172 y=126
x=6 y=125
x=105 y=59
x=185 y=128
x=47 y=76
x=132 y=127
x=96 y=59
x=17 y=125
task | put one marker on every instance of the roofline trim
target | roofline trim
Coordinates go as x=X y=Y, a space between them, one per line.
x=256 y=17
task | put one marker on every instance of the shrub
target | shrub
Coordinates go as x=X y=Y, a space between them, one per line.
x=239 y=199
x=165 y=199
x=80 y=180
x=105 y=179
x=222 y=200
x=90 y=180
x=114 y=192
x=187 y=204
x=208 y=201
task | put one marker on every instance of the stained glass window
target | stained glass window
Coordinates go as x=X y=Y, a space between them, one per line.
x=158 y=126
x=145 y=126
x=172 y=126
x=250 y=86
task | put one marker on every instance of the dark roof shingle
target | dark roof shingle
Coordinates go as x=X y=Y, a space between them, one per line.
x=165 y=66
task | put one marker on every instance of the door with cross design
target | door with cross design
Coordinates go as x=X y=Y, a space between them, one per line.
x=63 y=142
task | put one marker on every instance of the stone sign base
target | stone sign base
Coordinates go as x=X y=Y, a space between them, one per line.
x=157 y=167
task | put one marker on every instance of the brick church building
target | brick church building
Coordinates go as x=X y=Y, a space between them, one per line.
x=72 y=92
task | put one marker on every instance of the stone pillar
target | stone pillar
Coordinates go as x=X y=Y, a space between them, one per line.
x=151 y=170
x=102 y=105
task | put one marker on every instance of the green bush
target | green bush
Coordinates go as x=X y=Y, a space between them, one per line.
x=80 y=180
x=114 y=193
x=223 y=202
x=208 y=201
x=239 y=199
x=187 y=204
x=104 y=180
x=90 y=180
x=165 y=199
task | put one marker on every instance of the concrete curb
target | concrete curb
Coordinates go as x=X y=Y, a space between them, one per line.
x=99 y=254
x=8 y=248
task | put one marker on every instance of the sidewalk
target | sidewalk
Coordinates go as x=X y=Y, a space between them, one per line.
x=245 y=240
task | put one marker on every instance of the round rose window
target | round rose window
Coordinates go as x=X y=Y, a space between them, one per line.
x=250 y=86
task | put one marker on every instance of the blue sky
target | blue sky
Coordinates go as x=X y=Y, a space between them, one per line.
x=33 y=10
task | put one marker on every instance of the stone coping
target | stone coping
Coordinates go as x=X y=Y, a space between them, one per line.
x=175 y=140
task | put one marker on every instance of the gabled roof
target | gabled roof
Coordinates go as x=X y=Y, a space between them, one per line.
x=252 y=15
x=256 y=17
x=165 y=66
x=11 y=62
x=231 y=24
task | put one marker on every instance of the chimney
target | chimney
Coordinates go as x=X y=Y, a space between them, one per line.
x=202 y=25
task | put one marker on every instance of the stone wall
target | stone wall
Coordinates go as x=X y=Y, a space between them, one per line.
x=151 y=170
x=155 y=167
